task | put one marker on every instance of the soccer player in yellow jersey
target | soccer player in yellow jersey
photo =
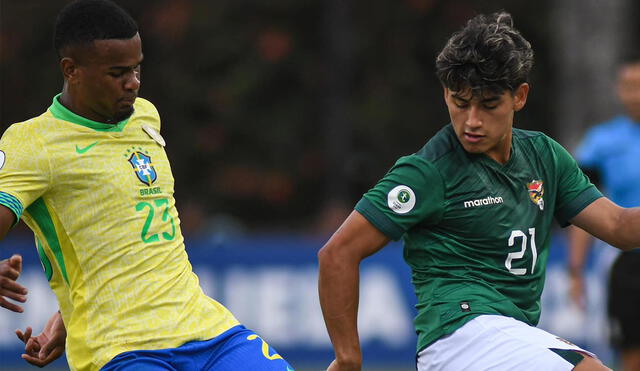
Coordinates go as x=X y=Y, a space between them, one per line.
x=91 y=178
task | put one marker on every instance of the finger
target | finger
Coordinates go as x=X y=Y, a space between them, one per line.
x=24 y=336
x=16 y=262
x=32 y=347
x=7 y=283
x=6 y=270
x=13 y=290
x=34 y=360
x=55 y=354
x=50 y=351
x=10 y=306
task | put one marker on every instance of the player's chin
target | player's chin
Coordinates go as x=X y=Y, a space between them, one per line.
x=123 y=112
x=473 y=148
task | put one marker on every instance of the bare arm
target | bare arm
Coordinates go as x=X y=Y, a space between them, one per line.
x=10 y=269
x=618 y=226
x=338 y=285
x=49 y=345
x=579 y=246
x=7 y=218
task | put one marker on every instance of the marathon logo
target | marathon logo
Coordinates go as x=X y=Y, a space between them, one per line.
x=483 y=201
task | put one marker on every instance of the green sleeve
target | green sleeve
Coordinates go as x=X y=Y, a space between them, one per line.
x=575 y=191
x=410 y=194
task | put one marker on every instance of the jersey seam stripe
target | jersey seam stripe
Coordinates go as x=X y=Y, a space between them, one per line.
x=40 y=214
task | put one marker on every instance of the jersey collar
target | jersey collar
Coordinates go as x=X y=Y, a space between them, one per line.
x=61 y=112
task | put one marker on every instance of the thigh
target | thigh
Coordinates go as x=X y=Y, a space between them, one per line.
x=138 y=361
x=492 y=342
x=245 y=350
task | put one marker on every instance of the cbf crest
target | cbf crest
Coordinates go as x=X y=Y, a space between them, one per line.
x=143 y=167
x=536 y=193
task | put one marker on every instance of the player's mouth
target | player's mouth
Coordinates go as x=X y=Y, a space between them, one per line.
x=473 y=138
x=128 y=100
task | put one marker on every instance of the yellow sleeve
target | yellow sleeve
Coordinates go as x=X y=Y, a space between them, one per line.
x=25 y=172
x=146 y=108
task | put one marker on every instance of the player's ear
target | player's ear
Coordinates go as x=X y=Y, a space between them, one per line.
x=69 y=69
x=520 y=96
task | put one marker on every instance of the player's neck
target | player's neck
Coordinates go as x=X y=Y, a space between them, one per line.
x=501 y=152
x=70 y=102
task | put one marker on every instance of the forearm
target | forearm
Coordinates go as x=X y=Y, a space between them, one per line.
x=338 y=288
x=579 y=246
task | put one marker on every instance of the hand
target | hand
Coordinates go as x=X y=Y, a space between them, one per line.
x=577 y=290
x=10 y=270
x=340 y=366
x=46 y=347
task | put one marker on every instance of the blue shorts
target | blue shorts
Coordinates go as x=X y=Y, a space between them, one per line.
x=235 y=349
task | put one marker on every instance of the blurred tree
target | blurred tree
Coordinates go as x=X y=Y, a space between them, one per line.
x=280 y=114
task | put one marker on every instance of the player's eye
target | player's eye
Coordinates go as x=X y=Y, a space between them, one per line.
x=461 y=104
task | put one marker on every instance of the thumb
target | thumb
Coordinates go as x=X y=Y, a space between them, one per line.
x=15 y=261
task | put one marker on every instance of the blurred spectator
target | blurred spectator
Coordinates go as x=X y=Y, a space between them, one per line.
x=610 y=153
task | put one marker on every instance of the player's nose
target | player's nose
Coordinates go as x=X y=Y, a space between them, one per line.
x=473 y=117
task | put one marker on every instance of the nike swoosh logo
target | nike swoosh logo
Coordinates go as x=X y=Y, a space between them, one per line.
x=85 y=149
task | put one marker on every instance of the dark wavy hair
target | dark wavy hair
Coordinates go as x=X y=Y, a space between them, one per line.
x=84 y=21
x=487 y=55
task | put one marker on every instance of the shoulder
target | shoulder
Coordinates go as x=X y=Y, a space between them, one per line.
x=530 y=135
x=29 y=129
x=440 y=145
x=535 y=140
x=145 y=110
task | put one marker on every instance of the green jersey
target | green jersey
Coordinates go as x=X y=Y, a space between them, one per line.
x=476 y=233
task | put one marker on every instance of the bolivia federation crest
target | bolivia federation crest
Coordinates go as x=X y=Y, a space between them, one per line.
x=536 y=191
x=143 y=167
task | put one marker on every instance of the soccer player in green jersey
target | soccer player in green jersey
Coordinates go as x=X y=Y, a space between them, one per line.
x=91 y=178
x=474 y=208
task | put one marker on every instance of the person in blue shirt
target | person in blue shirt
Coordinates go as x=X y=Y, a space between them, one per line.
x=610 y=155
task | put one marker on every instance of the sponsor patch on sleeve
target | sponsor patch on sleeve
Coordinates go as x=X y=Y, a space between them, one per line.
x=401 y=199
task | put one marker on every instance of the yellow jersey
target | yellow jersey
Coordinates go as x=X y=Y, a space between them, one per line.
x=99 y=199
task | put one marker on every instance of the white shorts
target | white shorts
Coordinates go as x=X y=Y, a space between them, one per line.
x=497 y=343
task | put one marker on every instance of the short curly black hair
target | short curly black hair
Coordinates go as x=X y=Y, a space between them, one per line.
x=487 y=55
x=84 y=21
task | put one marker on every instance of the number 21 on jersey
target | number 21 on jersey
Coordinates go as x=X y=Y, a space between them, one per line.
x=526 y=241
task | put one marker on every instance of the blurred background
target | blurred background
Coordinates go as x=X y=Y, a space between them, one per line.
x=280 y=114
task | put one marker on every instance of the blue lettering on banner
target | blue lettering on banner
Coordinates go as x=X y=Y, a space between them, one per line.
x=270 y=284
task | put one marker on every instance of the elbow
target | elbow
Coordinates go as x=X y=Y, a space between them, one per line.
x=336 y=255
